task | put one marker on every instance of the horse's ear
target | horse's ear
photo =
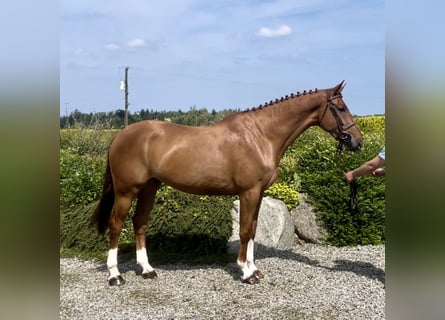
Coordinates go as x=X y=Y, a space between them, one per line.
x=338 y=88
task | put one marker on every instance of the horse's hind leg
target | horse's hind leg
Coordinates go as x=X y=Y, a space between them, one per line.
x=145 y=203
x=122 y=204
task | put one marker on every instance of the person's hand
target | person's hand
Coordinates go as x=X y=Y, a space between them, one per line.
x=349 y=177
x=378 y=172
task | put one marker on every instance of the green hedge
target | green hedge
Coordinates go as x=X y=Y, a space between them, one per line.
x=179 y=222
x=198 y=224
x=282 y=191
x=371 y=124
x=86 y=141
x=310 y=165
x=184 y=223
x=81 y=178
x=77 y=237
x=320 y=173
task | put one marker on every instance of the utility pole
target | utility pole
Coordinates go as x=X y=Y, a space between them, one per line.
x=126 y=96
x=67 y=124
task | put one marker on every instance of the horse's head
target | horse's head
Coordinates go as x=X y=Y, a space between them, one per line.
x=336 y=119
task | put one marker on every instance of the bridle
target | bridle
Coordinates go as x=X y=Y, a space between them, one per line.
x=343 y=138
x=340 y=132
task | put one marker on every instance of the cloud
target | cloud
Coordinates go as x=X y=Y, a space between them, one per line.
x=133 y=44
x=280 y=31
x=112 y=46
x=136 y=43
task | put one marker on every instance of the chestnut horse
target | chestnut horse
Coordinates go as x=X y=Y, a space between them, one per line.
x=239 y=155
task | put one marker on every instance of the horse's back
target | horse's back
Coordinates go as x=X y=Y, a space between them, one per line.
x=137 y=135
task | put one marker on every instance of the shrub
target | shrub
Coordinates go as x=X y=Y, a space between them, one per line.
x=80 y=178
x=285 y=193
x=371 y=123
x=86 y=141
x=77 y=236
x=321 y=171
x=179 y=223
x=182 y=222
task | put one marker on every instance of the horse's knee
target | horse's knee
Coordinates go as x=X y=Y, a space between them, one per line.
x=139 y=225
x=115 y=225
x=244 y=236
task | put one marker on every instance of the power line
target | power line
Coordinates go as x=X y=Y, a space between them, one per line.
x=249 y=83
x=204 y=77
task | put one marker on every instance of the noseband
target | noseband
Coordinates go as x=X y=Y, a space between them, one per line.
x=341 y=134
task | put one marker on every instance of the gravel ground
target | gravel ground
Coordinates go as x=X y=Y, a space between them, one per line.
x=307 y=282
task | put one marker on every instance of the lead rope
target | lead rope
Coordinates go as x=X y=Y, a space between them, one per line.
x=353 y=186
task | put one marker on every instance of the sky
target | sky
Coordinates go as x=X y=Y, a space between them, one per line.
x=219 y=54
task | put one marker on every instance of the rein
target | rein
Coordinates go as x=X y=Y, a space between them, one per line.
x=353 y=186
x=343 y=138
x=353 y=196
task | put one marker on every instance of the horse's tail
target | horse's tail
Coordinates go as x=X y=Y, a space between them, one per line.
x=102 y=213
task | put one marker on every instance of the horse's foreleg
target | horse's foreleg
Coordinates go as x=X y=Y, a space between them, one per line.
x=249 y=207
x=121 y=206
x=250 y=257
x=145 y=204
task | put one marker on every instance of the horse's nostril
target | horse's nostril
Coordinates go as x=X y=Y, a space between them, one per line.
x=356 y=146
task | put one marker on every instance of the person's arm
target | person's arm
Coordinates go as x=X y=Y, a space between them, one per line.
x=372 y=166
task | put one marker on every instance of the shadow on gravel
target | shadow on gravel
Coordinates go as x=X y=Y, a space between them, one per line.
x=263 y=252
x=360 y=268
x=227 y=262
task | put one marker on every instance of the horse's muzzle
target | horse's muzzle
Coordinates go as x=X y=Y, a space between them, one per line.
x=354 y=144
x=350 y=142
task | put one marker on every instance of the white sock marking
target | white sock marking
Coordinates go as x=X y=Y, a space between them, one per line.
x=142 y=260
x=248 y=267
x=249 y=256
x=112 y=263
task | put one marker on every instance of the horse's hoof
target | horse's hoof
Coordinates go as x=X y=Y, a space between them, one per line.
x=258 y=274
x=150 y=275
x=252 y=280
x=116 y=281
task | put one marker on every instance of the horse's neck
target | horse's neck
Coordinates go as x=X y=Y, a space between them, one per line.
x=286 y=121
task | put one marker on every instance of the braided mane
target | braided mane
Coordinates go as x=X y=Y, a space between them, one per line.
x=286 y=97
